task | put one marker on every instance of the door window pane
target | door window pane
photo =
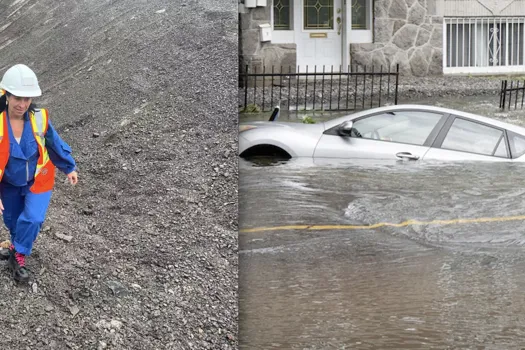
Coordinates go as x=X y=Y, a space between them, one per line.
x=360 y=14
x=472 y=137
x=319 y=14
x=282 y=15
x=405 y=127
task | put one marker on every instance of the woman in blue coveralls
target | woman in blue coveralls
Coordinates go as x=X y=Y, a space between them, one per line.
x=25 y=211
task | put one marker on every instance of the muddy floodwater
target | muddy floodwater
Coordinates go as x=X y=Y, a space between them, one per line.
x=455 y=279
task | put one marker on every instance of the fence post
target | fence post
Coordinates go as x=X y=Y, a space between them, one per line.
x=517 y=92
x=289 y=84
x=504 y=95
x=364 y=86
x=255 y=86
x=510 y=92
x=297 y=93
x=355 y=87
x=340 y=78
x=397 y=81
x=501 y=93
x=331 y=84
x=347 y=84
x=522 y=94
x=388 y=84
x=263 y=87
x=271 y=98
x=322 y=89
x=306 y=88
x=281 y=86
x=315 y=80
x=372 y=88
x=246 y=88
x=380 y=85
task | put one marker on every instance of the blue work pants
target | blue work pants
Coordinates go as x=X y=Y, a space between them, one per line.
x=24 y=214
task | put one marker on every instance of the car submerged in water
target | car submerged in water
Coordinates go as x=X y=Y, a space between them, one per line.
x=400 y=132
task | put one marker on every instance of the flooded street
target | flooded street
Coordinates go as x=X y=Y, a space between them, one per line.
x=428 y=284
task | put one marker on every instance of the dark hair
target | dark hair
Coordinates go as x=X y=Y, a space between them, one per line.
x=3 y=103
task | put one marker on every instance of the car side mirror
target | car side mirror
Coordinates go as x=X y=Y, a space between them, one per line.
x=345 y=129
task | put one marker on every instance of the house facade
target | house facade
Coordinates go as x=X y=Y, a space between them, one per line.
x=425 y=37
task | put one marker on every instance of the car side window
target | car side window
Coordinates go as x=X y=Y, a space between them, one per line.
x=517 y=144
x=412 y=127
x=468 y=136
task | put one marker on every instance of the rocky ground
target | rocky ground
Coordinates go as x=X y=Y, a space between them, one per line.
x=143 y=91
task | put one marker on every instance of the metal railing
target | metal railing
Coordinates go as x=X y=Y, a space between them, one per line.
x=508 y=93
x=318 y=90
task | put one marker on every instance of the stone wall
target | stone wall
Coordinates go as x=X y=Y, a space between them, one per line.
x=256 y=53
x=406 y=32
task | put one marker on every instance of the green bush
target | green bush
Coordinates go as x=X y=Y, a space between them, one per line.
x=251 y=108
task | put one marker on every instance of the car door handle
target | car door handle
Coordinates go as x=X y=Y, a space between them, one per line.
x=407 y=155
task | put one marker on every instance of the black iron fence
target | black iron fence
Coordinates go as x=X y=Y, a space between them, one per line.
x=357 y=88
x=512 y=95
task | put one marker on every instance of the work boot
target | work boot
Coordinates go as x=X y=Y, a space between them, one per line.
x=17 y=267
x=6 y=252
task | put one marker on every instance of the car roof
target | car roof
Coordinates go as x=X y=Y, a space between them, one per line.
x=429 y=108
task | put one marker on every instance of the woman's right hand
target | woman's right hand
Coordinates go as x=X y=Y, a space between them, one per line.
x=1 y=207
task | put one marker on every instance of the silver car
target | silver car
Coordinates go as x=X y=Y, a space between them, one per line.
x=401 y=132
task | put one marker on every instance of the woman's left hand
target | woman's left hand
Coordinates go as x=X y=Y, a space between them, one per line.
x=73 y=177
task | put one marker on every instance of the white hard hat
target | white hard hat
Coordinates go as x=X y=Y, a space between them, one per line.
x=21 y=81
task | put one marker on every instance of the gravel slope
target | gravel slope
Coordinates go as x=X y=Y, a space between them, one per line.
x=145 y=93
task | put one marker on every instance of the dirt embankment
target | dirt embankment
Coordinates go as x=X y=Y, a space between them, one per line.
x=145 y=93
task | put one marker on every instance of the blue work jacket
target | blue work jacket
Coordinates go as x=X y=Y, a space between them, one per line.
x=23 y=158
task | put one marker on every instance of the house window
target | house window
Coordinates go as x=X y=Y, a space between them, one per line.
x=484 y=44
x=361 y=14
x=282 y=15
x=319 y=14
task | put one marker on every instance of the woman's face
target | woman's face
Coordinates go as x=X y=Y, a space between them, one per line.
x=17 y=106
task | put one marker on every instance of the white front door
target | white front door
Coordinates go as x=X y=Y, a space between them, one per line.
x=319 y=35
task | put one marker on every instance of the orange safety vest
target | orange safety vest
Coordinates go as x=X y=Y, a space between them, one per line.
x=45 y=169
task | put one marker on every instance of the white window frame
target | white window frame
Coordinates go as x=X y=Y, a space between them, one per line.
x=475 y=57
